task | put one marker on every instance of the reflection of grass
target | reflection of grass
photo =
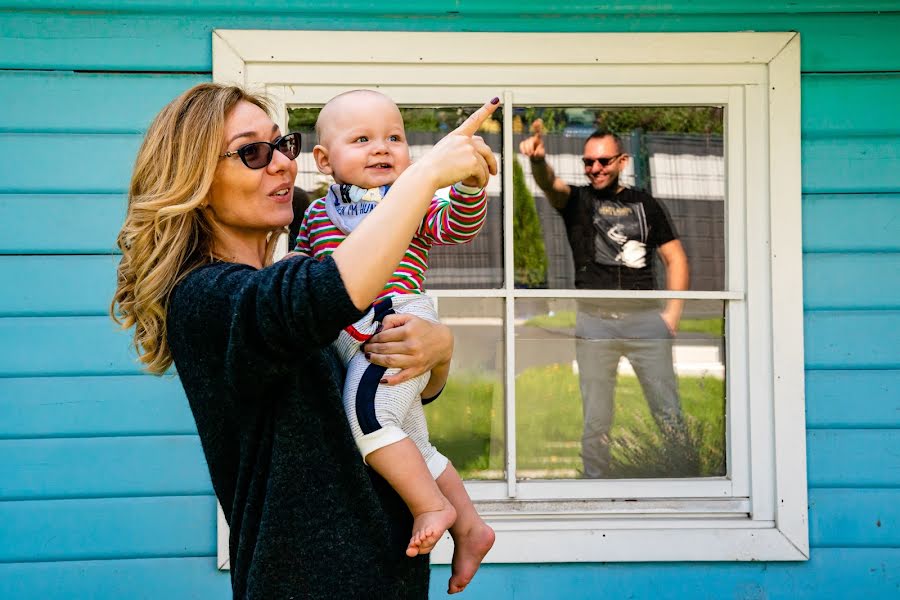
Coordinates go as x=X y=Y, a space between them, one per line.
x=461 y=423
x=714 y=327
x=549 y=422
x=565 y=319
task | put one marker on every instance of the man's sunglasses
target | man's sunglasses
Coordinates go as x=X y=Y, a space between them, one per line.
x=603 y=160
x=259 y=154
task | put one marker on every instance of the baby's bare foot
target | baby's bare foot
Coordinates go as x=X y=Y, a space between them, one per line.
x=469 y=550
x=428 y=527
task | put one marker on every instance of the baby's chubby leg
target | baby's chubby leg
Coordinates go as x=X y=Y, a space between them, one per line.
x=472 y=537
x=402 y=465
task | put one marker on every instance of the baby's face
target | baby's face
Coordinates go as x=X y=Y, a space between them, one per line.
x=365 y=141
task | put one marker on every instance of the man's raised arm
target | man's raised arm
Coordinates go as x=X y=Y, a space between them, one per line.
x=556 y=190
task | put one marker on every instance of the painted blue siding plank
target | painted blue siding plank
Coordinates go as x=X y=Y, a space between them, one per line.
x=851 y=223
x=854 y=518
x=68 y=346
x=83 y=163
x=182 y=42
x=147 y=405
x=852 y=339
x=851 y=164
x=862 y=573
x=101 y=163
x=46 y=530
x=85 y=102
x=839 y=573
x=466 y=7
x=43 y=224
x=826 y=97
x=676 y=7
x=126 y=103
x=850 y=281
x=853 y=458
x=174 y=465
x=93 y=406
x=57 y=285
x=65 y=346
x=852 y=399
x=103 y=467
x=142 y=579
x=115 y=528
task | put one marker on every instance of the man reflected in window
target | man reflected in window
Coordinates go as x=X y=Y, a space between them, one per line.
x=615 y=233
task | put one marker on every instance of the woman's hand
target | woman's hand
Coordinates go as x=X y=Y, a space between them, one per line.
x=409 y=343
x=461 y=155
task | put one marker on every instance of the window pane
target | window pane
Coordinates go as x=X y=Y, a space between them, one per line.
x=654 y=403
x=477 y=264
x=467 y=422
x=674 y=153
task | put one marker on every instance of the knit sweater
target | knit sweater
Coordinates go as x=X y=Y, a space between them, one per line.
x=252 y=349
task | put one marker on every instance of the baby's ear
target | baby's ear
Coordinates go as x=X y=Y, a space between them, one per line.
x=320 y=154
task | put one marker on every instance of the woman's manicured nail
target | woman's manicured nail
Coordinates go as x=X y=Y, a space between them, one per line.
x=496 y=100
x=383 y=381
x=368 y=355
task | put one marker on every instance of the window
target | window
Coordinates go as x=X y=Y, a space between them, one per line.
x=713 y=132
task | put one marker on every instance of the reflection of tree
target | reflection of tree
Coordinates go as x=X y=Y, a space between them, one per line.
x=661 y=119
x=529 y=255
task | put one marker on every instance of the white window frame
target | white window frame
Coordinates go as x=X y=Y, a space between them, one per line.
x=759 y=510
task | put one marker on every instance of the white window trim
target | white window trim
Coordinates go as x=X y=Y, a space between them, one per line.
x=760 y=511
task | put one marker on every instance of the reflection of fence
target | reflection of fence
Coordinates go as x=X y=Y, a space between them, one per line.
x=686 y=173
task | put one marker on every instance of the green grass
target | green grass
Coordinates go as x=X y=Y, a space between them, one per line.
x=566 y=320
x=467 y=424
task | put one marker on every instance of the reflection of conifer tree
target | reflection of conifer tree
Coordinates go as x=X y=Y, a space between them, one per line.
x=530 y=258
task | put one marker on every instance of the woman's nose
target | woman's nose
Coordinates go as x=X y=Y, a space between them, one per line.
x=279 y=162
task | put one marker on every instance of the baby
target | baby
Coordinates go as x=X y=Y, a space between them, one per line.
x=362 y=144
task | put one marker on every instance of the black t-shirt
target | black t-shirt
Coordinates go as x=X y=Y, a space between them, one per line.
x=252 y=349
x=614 y=237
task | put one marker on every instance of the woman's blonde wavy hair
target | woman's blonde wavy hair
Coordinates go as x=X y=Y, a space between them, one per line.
x=166 y=233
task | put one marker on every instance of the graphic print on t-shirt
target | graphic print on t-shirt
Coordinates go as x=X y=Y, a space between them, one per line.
x=620 y=234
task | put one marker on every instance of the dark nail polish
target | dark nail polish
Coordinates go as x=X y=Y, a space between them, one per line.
x=368 y=355
x=383 y=381
x=496 y=100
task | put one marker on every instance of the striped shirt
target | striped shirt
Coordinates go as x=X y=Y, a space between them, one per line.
x=454 y=221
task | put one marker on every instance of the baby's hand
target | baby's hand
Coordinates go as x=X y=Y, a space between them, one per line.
x=294 y=254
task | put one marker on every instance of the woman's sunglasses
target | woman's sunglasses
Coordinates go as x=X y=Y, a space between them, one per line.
x=603 y=160
x=259 y=154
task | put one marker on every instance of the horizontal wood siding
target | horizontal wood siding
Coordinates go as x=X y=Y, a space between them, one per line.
x=104 y=489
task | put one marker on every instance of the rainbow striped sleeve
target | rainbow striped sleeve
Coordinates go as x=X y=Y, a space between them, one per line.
x=302 y=241
x=323 y=237
x=457 y=220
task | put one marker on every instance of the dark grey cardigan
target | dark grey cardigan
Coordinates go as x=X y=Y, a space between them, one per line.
x=307 y=521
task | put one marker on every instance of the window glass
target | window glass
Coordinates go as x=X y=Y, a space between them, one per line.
x=654 y=403
x=467 y=421
x=674 y=153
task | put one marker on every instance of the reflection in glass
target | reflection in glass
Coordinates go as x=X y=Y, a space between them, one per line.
x=674 y=153
x=467 y=421
x=654 y=403
x=478 y=264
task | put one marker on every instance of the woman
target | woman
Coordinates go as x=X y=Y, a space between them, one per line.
x=212 y=181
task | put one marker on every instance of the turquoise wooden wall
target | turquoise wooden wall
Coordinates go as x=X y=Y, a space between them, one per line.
x=103 y=489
